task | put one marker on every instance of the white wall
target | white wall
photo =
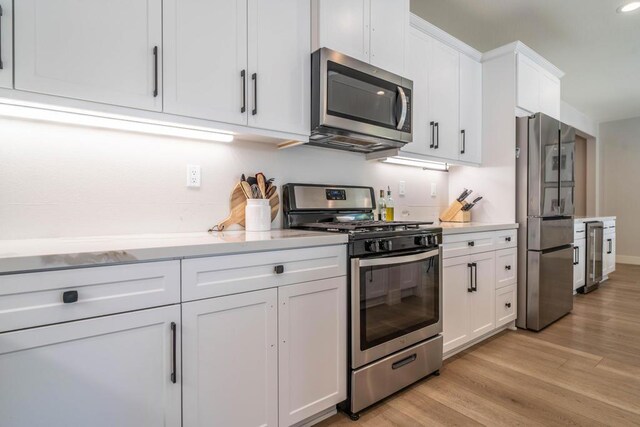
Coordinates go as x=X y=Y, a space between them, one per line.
x=60 y=180
x=620 y=180
x=495 y=180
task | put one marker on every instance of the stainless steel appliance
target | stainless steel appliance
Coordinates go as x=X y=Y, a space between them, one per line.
x=593 y=265
x=395 y=297
x=544 y=210
x=356 y=106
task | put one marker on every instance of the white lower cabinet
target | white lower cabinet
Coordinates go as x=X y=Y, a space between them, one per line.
x=119 y=370
x=479 y=289
x=312 y=319
x=579 y=266
x=609 y=253
x=230 y=360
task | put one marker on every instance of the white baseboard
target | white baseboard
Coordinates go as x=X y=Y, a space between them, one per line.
x=626 y=259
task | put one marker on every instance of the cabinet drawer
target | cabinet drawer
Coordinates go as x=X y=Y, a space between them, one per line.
x=506 y=239
x=34 y=299
x=506 y=305
x=609 y=224
x=231 y=274
x=466 y=244
x=579 y=231
x=506 y=267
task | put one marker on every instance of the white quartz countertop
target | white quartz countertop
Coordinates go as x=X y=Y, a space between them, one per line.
x=39 y=254
x=473 y=227
x=594 y=218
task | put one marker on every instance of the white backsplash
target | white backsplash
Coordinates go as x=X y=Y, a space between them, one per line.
x=59 y=180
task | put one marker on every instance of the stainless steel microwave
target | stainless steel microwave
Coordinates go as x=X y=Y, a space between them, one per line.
x=356 y=106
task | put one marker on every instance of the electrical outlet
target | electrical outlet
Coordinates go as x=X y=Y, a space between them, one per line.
x=193 y=176
x=402 y=188
x=433 y=189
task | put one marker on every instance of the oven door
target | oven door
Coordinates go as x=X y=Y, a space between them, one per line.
x=396 y=301
x=358 y=97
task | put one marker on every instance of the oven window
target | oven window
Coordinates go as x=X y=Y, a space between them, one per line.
x=397 y=299
x=354 y=95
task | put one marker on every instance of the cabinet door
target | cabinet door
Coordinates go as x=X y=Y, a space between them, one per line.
x=549 y=94
x=343 y=25
x=444 y=81
x=230 y=360
x=109 y=371
x=528 y=84
x=108 y=52
x=470 y=110
x=506 y=300
x=389 y=22
x=312 y=319
x=456 y=276
x=205 y=59
x=6 y=44
x=579 y=266
x=280 y=65
x=482 y=301
x=506 y=267
x=418 y=48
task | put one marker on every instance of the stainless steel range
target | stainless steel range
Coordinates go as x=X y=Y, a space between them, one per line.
x=395 y=297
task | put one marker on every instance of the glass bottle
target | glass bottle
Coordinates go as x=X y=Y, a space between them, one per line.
x=382 y=207
x=389 y=206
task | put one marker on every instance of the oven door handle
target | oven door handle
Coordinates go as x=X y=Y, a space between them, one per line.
x=398 y=260
x=403 y=114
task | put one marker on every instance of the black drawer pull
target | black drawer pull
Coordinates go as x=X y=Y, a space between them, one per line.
x=471 y=244
x=174 y=362
x=279 y=269
x=70 y=296
x=405 y=361
x=155 y=71
x=507 y=239
x=508 y=305
x=507 y=267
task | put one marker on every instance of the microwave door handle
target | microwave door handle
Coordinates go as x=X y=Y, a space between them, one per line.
x=403 y=114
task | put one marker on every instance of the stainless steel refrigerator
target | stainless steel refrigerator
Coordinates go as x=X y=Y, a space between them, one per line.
x=544 y=210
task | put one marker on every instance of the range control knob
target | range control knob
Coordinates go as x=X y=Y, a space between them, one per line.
x=386 y=245
x=421 y=241
x=371 y=246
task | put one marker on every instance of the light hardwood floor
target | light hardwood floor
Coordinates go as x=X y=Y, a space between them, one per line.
x=583 y=370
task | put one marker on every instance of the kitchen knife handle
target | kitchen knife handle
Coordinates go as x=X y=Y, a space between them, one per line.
x=464 y=141
x=243 y=76
x=432 y=140
x=254 y=77
x=155 y=71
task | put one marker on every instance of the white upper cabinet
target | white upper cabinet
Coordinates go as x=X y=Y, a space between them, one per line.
x=470 y=110
x=279 y=65
x=372 y=31
x=418 y=47
x=205 y=56
x=107 y=52
x=538 y=90
x=6 y=44
x=389 y=22
x=342 y=25
x=444 y=98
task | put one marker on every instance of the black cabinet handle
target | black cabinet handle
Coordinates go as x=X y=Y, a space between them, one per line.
x=470 y=267
x=507 y=267
x=254 y=77
x=243 y=76
x=173 y=351
x=464 y=141
x=508 y=305
x=433 y=137
x=279 y=269
x=405 y=361
x=471 y=243
x=1 y=66
x=610 y=246
x=507 y=239
x=576 y=255
x=475 y=281
x=437 y=135
x=69 y=297
x=155 y=71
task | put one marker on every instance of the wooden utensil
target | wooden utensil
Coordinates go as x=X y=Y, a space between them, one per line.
x=262 y=184
x=237 y=203
x=246 y=189
x=270 y=190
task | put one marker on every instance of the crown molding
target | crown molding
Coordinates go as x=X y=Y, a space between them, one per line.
x=519 y=47
x=444 y=37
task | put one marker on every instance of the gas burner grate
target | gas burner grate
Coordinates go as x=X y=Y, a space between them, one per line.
x=364 y=226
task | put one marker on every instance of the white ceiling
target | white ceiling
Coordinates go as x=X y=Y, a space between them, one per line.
x=597 y=48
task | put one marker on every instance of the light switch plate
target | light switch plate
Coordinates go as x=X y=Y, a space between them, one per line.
x=193 y=176
x=402 y=188
x=433 y=189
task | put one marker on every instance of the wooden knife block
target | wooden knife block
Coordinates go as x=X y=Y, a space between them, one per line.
x=454 y=213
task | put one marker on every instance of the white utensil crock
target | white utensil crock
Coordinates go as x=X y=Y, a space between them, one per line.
x=257 y=215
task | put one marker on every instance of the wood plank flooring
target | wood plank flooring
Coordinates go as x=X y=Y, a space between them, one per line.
x=583 y=370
